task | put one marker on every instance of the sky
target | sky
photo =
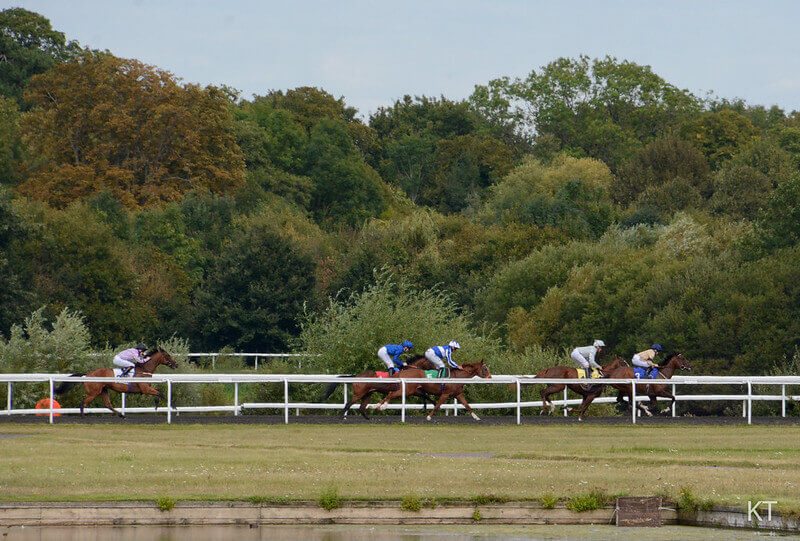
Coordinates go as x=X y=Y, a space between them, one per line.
x=374 y=52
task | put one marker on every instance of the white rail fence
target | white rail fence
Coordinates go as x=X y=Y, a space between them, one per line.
x=287 y=380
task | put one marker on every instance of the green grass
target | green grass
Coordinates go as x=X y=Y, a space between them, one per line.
x=725 y=464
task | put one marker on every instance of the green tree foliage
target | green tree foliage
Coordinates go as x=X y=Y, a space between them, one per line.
x=28 y=46
x=659 y=169
x=254 y=293
x=779 y=222
x=602 y=108
x=105 y=123
x=441 y=153
x=16 y=297
x=571 y=195
x=719 y=135
x=10 y=144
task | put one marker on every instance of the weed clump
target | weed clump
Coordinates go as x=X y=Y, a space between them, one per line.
x=587 y=502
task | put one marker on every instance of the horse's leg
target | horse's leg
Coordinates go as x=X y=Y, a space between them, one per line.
x=664 y=393
x=365 y=403
x=639 y=405
x=390 y=396
x=463 y=401
x=546 y=392
x=587 y=399
x=442 y=398
x=107 y=402
x=92 y=392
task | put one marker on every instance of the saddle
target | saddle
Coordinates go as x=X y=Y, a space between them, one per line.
x=381 y=374
x=645 y=373
x=582 y=374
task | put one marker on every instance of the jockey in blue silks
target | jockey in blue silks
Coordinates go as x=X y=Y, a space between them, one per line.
x=390 y=355
x=438 y=354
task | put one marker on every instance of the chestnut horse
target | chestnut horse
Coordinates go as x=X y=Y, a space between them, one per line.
x=588 y=391
x=445 y=391
x=100 y=388
x=673 y=362
x=362 y=391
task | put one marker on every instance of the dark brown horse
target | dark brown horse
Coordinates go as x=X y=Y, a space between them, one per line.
x=100 y=388
x=363 y=391
x=674 y=362
x=587 y=391
x=444 y=391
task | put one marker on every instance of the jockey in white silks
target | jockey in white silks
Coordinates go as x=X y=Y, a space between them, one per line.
x=585 y=356
x=130 y=358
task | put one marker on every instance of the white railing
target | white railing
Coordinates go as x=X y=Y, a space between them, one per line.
x=254 y=356
x=518 y=381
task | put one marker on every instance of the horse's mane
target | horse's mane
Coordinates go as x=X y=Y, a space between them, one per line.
x=416 y=358
x=668 y=358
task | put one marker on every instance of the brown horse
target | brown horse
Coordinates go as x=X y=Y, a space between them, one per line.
x=445 y=391
x=363 y=391
x=100 y=388
x=587 y=391
x=674 y=362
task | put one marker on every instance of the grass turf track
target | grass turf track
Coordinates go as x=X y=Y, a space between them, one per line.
x=725 y=464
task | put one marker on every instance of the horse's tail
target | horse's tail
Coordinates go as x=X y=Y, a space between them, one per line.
x=332 y=387
x=65 y=386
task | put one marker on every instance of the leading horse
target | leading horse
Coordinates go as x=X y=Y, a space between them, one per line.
x=445 y=391
x=666 y=370
x=363 y=391
x=587 y=391
x=100 y=388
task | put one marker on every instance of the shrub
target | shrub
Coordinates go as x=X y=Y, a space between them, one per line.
x=587 y=502
x=329 y=499
x=411 y=503
x=548 y=501
x=165 y=503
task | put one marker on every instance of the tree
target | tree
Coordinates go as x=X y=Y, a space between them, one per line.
x=602 y=108
x=106 y=123
x=662 y=164
x=719 y=135
x=10 y=144
x=28 y=46
x=254 y=293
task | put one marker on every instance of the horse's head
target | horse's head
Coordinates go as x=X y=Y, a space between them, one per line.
x=681 y=362
x=477 y=369
x=162 y=357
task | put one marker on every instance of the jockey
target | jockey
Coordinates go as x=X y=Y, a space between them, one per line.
x=390 y=355
x=438 y=354
x=644 y=359
x=130 y=358
x=584 y=356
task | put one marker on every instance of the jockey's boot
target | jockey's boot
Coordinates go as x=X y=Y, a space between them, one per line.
x=440 y=372
x=125 y=371
x=392 y=371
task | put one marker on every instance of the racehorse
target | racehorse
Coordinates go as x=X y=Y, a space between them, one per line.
x=100 y=388
x=445 y=391
x=363 y=391
x=587 y=391
x=675 y=361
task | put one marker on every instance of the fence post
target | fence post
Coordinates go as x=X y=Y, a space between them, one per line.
x=403 y=401
x=122 y=406
x=633 y=401
x=169 y=401
x=519 y=403
x=674 y=393
x=51 y=400
x=455 y=407
x=214 y=361
x=344 y=393
x=566 y=407
x=9 y=402
x=749 y=402
x=256 y=364
x=286 y=401
x=236 y=398
x=783 y=400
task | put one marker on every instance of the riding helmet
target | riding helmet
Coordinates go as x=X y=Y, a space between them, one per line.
x=599 y=344
x=407 y=344
x=454 y=345
x=657 y=347
x=141 y=347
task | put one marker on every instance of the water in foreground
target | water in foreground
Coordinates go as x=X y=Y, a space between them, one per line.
x=374 y=533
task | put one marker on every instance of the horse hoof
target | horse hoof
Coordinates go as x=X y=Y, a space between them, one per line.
x=580 y=418
x=475 y=416
x=428 y=417
x=665 y=410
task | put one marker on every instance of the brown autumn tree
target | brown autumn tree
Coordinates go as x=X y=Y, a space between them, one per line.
x=102 y=123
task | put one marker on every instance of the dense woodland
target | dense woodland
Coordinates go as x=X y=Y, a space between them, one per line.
x=588 y=199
